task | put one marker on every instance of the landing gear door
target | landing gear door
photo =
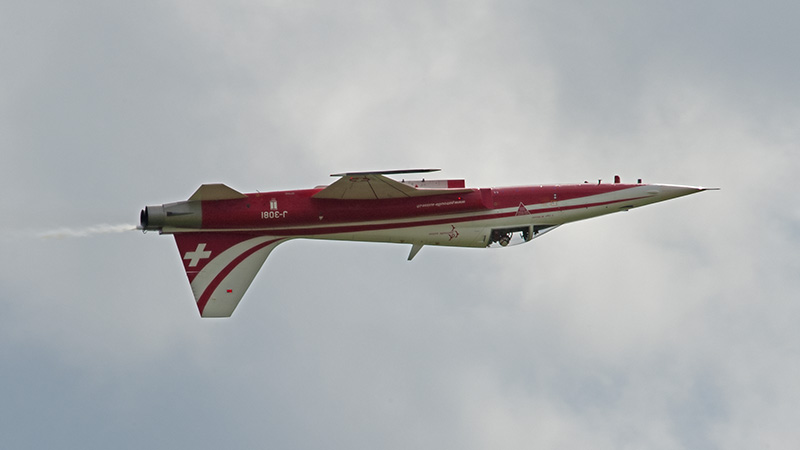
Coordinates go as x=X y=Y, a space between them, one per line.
x=504 y=237
x=539 y=230
x=507 y=236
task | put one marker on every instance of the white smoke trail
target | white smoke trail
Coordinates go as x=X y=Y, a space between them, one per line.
x=61 y=233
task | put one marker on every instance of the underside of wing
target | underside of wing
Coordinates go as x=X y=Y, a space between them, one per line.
x=376 y=186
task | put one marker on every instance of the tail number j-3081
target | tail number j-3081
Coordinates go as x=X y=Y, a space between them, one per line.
x=273 y=214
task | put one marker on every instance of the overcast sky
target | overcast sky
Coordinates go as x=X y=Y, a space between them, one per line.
x=668 y=327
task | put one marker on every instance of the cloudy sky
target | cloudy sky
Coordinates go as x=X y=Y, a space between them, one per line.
x=672 y=326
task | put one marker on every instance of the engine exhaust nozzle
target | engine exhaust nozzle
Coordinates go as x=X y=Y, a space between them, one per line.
x=171 y=215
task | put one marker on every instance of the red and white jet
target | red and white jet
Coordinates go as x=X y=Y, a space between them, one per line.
x=225 y=236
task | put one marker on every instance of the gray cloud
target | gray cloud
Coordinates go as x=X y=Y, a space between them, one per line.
x=666 y=327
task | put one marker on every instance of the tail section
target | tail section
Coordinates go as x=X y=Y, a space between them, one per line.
x=221 y=266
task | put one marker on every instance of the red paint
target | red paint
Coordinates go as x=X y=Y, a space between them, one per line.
x=216 y=243
x=298 y=209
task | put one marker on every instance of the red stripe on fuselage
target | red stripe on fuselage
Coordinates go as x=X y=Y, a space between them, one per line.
x=290 y=210
x=438 y=220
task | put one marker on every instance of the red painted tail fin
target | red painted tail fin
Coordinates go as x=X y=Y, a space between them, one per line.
x=221 y=266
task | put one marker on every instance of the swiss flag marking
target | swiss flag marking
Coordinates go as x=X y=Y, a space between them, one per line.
x=199 y=253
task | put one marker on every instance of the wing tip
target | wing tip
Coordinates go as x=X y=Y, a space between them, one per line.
x=384 y=172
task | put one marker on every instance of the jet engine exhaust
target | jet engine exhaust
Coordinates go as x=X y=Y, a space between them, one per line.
x=171 y=215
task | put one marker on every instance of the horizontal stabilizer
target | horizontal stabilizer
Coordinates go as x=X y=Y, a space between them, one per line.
x=216 y=191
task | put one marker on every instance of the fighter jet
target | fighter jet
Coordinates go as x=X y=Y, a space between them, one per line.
x=224 y=236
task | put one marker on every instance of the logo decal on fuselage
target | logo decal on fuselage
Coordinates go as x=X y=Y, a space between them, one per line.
x=453 y=233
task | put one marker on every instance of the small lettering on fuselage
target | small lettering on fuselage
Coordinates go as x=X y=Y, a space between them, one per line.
x=452 y=234
x=449 y=203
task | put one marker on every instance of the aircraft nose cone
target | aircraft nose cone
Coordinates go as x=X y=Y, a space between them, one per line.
x=668 y=191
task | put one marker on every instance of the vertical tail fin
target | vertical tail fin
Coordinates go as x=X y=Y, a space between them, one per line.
x=221 y=266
